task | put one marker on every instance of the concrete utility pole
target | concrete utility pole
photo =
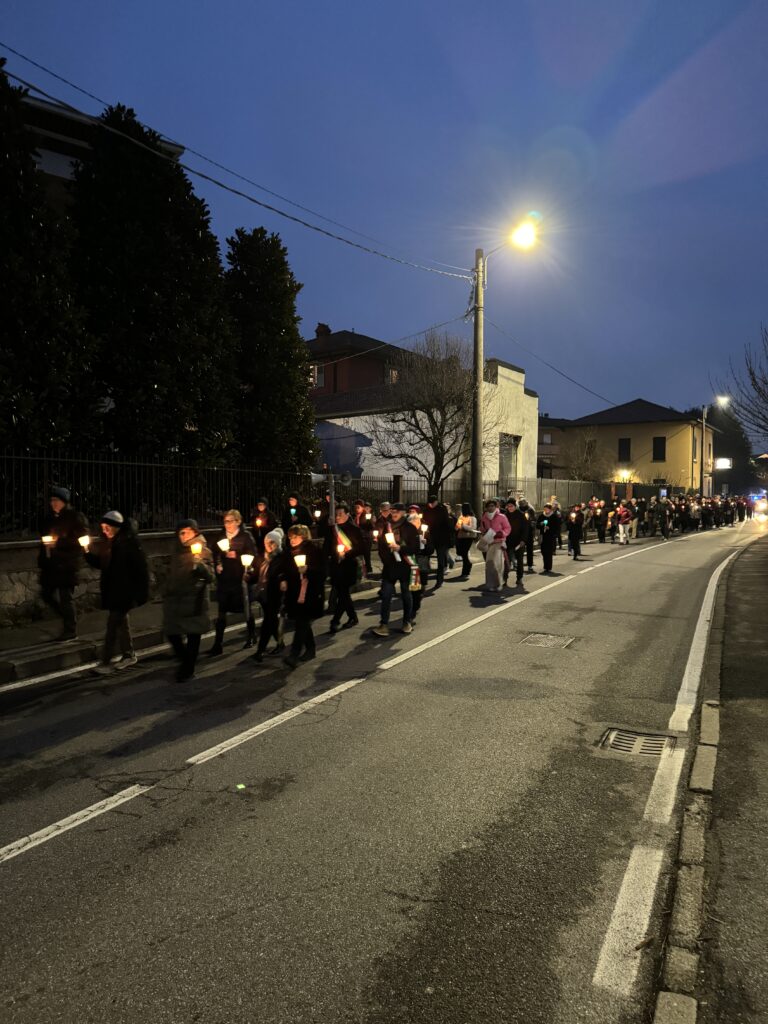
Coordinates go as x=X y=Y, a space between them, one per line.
x=701 y=454
x=477 y=387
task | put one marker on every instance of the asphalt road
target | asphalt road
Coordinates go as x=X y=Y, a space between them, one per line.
x=444 y=841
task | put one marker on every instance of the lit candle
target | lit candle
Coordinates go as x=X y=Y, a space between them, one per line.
x=573 y=515
x=368 y=515
x=341 y=549
x=301 y=561
x=247 y=560
x=196 y=548
x=424 y=527
x=318 y=513
x=84 y=541
x=258 y=522
x=375 y=534
x=389 y=538
x=293 y=511
x=48 y=539
x=223 y=543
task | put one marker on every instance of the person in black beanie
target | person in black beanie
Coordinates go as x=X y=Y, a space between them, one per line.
x=295 y=514
x=60 y=557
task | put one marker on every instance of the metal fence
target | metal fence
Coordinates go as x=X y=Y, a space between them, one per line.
x=158 y=494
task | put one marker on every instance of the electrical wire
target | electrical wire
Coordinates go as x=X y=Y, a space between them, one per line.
x=465 y=274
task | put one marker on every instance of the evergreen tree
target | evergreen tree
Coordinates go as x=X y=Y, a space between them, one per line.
x=277 y=416
x=43 y=346
x=149 y=275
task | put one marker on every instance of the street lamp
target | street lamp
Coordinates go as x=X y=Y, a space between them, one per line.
x=524 y=237
x=722 y=401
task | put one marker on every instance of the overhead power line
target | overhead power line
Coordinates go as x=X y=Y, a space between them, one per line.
x=463 y=274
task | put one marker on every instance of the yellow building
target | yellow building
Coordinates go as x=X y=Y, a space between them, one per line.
x=638 y=442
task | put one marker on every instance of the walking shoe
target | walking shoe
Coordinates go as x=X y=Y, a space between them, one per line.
x=519 y=581
x=126 y=661
x=308 y=655
x=258 y=656
x=290 y=661
x=105 y=670
x=406 y=628
x=381 y=630
x=354 y=621
x=335 y=627
x=215 y=651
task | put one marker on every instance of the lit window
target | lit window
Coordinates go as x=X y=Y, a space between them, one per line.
x=394 y=375
x=317 y=376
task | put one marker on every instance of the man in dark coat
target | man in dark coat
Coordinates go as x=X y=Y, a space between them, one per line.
x=295 y=514
x=441 y=531
x=530 y=514
x=574 y=525
x=549 y=525
x=60 y=557
x=231 y=578
x=263 y=521
x=304 y=589
x=398 y=566
x=516 y=539
x=124 y=585
x=344 y=548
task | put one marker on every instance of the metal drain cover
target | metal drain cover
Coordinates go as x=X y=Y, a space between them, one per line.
x=625 y=741
x=547 y=640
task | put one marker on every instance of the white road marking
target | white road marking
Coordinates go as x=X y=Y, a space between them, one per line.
x=78 y=818
x=272 y=723
x=661 y=799
x=619 y=957
x=689 y=688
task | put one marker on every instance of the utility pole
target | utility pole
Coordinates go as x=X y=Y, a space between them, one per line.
x=477 y=389
x=703 y=436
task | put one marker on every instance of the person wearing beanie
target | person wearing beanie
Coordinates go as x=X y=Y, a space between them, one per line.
x=124 y=585
x=271 y=572
x=185 y=596
x=232 y=577
x=295 y=514
x=263 y=519
x=60 y=557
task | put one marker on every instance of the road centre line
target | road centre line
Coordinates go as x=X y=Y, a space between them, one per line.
x=620 y=956
x=78 y=818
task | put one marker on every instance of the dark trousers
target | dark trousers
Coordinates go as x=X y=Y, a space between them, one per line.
x=548 y=545
x=388 y=592
x=303 y=637
x=442 y=561
x=463 y=544
x=515 y=557
x=63 y=604
x=185 y=652
x=529 y=550
x=344 y=603
x=600 y=534
x=270 y=626
x=574 y=543
x=118 y=634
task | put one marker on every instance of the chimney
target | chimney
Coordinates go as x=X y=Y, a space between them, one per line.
x=322 y=331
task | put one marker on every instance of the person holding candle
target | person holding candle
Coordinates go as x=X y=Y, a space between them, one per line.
x=494 y=530
x=548 y=524
x=438 y=520
x=185 y=596
x=530 y=514
x=466 y=534
x=60 y=558
x=231 y=578
x=516 y=540
x=124 y=585
x=295 y=514
x=398 y=549
x=272 y=570
x=574 y=525
x=263 y=521
x=344 y=551
x=304 y=592
x=418 y=585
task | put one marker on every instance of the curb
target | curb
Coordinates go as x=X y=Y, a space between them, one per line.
x=676 y=1003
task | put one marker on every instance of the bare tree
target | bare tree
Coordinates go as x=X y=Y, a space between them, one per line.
x=428 y=427
x=749 y=390
x=582 y=457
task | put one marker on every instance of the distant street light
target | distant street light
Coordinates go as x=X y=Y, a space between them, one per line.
x=524 y=236
x=722 y=401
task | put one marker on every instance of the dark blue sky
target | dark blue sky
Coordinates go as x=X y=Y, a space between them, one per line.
x=638 y=129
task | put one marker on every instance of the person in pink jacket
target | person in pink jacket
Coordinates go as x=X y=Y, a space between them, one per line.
x=494 y=528
x=624 y=518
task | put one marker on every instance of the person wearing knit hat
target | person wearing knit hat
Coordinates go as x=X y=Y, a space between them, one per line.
x=60 y=557
x=295 y=514
x=124 y=585
x=185 y=596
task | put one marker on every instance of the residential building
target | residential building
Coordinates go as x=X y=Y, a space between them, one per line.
x=638 y=442
x=357 y=379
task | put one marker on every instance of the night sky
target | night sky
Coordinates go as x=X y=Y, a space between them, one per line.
x=638 y=130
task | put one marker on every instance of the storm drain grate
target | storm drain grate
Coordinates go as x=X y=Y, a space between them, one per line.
x=624 y=741
x=547 y=640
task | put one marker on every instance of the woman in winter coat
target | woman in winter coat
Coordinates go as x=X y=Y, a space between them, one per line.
x=124 y=585
x=466 y=534
x=185 y=596
x=623 y=517
x=231 y=577
x=304 y=592
x=271 y=572
x=494 y=521
x=575 y=524
x=263 y=521
x=548 y=524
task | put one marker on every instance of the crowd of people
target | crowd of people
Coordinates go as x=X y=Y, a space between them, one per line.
x=283 y=562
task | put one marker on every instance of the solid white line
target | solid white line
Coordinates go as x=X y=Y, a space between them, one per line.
x=619 y=958
x=661 y=799
x=689 y=688
x=271 y=723
x=79 y=818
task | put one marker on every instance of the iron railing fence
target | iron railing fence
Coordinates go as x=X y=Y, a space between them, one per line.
x=158 y=494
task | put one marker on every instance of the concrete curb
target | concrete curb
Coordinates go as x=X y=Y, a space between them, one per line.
x=676 y=1003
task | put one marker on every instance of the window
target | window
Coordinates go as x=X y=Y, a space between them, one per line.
x=546 y=439
x=393 y=375
x=317 y=376
x=659 y=449
x=625 y=449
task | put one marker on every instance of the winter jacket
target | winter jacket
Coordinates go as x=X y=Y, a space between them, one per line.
x=314 y=573
x=407 y=545
x=343 y=571
x=262 y=523
x=229 y=570
x=186 y=606
x=124 y=579
x=499 y=523
x=60 y=562
x=441 y=529
x=575 y=524
x=518 y=529
x=295 y=515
